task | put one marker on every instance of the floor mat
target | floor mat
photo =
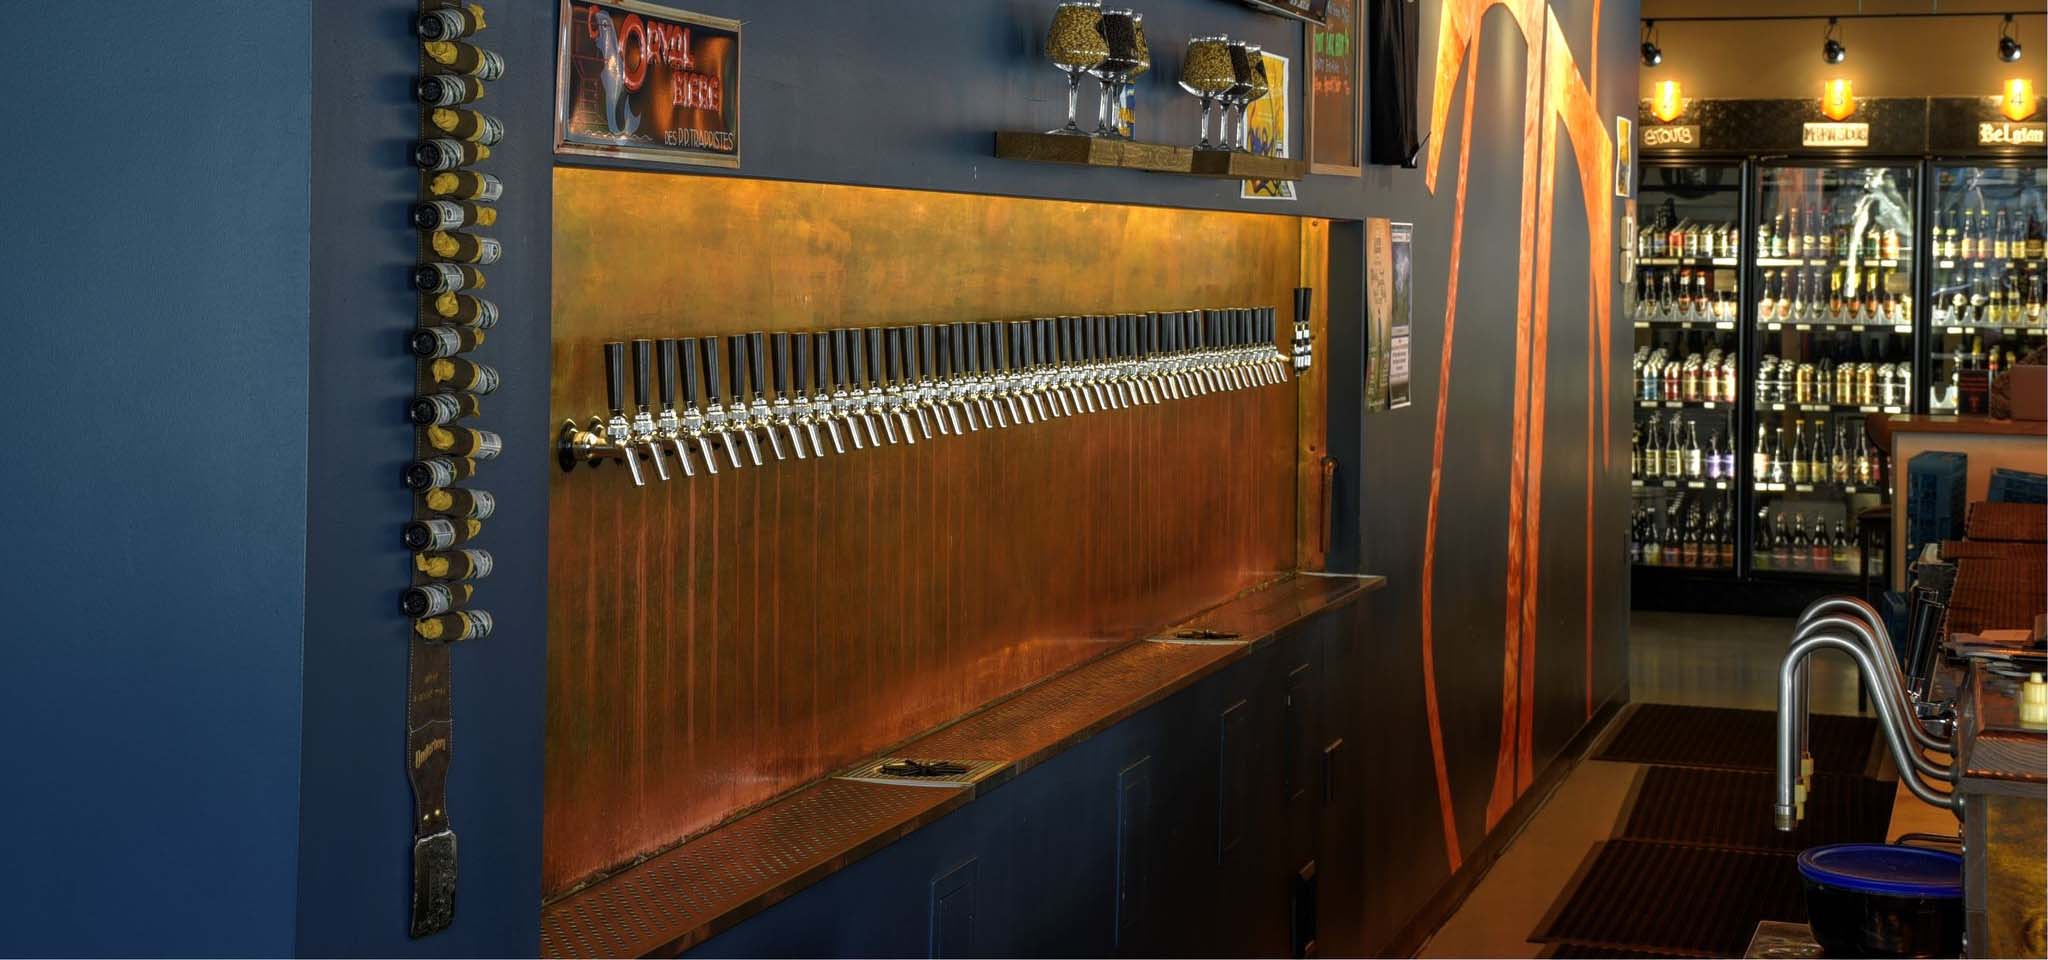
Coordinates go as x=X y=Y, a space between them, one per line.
x=1732 y=808
x=1587 y=951
x=1735 y=739
x=1642 y=897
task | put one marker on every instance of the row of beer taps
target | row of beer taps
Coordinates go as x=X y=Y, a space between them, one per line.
x=869 y=387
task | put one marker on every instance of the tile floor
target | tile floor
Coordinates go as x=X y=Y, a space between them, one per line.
x=1713 y=661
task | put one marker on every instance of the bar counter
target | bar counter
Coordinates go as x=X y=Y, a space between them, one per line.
x=676 y=899
x=1990 y=444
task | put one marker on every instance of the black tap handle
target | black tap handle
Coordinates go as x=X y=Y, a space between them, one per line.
x=841 y=366
x=971 y=335
x=1020 y=344
x=942 y=356
x=643 y=371
x=998 y=350
x=991 y=349
x=800 y=350
x=1095 y=337
x=857 y=374
x=1069 y=339
x=687 y=358
x=738 y=357
x=714 y=389
x=665 y=371
x=956 y=356
x=876 y=372
x=779 y=367
x=893 y=343
x=1127 y=335
x=757 y=354
x=927 y=336
x=615 y=376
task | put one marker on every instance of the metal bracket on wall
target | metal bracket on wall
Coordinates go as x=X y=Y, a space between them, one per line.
x=450 y=323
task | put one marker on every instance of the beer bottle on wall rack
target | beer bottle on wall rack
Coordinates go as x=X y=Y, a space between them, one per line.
x=464 y=309
x=470 y=125
x=466 y=185
x=466 y=564
x=444 y=340
x=454 y=626
x=456 y=373
x=452 y=215
x=465 y=247
x=441 y=409
x=434 y=599
x=447 y=153
x=461 y=502
x=451 y=22
x=446 y=277
x=465 y=442
x=463 y=58
x=440 y=533
x=447 y=90
x=438 y=472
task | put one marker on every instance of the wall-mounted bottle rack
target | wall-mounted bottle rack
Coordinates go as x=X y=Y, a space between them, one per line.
x=455 y=200
x=815 y=393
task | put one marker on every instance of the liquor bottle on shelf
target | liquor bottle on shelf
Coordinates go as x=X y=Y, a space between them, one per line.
x=1781 y=543
x=452 y=22
x=452 y=215
x=441 y=409
x=1844 y=549
x=447 y=90
x=1821 y=549
x=464 y=442
x=470 y=125
x=465 y=309
x=1760 y=458
x=1727 y=534
x=1838 y=457
x=464 y=564
x=463 y=58
x=1635 y=535
x=454 y=626
x=448 y=153
x=1653 y=550
x=465 y=247
x=461 y=502
x=440 y=533
x=2001 y=247
x=1674 y=455
x=444 y=340
x=466 y=185
x=1950 y=231
x=455 y=373
x=1713 y=455
x=1695 y=458
x=446 y=277
x=1799 y=462
x=1778 y=236
x=1777 y=461
x=434 y=599
x=432 y=472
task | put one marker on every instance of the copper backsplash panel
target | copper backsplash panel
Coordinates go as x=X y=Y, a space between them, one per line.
x=714 y=642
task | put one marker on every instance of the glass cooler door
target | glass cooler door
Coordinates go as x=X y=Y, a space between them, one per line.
x=1833 y=294
x=1985 y=292
x=1685 y=306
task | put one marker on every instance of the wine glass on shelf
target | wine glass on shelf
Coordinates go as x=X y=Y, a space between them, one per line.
x=1119 y=35
x=1075 y=45
x=1260 y=87
x=1205 y=72
x=1141 y=61
x=1241 y=54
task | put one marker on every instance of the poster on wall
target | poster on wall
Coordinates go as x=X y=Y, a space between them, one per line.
x=1379 y=309
x=647 y=82
x=1265 y=132
x=1331 y=122
x=1624 y=157
x=1401 y=318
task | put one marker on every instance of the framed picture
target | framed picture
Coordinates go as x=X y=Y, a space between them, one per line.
x=647 y=82
x=1266 y=132
x=1333 y=121
x=1624 y=157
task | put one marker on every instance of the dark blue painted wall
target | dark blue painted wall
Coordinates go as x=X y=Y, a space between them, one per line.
x=355 y=843
x=153 y=276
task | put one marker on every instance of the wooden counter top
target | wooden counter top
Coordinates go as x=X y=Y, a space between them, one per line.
x=1983 y=426
x=673 y=900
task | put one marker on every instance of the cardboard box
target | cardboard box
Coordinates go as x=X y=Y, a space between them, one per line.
x=2029 y=385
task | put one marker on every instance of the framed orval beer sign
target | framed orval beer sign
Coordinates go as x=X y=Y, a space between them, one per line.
x=647 y=82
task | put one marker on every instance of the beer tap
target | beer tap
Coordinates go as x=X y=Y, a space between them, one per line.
x=618 y=432
x=1257 y=348
x=1104 y=335
x=1281 y=361
x=971 y=377
x=874 y=407
x=894 y=378
x=740 y=418
x=669 y=425
x=1034 y=351
x=1156 y=352
x=963 y=376
x=912 y=380
x=927 y=387
x=1233 y=347
x=1127 y=358
x=856 y=374
x=783 y=412
x=822 y=379
x=845 y=396
x=1004 y=358
x=1026 y=371
x=1092 y=337
x=952 y=353
x=1193 y=359
x=985 y=371
x=693 y=416
x=803 y=406
x=1070 y=364
x=643 y=414
x=1141 y=357
x=715 y=418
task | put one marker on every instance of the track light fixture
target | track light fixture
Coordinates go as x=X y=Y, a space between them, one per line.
x=1653 y=56
x=2008 y=45
x=1831 y=49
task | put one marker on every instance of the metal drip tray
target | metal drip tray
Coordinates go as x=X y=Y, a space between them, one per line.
x=923 y=771
x=1198 y=636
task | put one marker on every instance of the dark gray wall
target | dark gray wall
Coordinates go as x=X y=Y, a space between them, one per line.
x=154 y=289
x=355 y=840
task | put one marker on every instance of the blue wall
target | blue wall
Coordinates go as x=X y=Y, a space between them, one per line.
x=154 y=293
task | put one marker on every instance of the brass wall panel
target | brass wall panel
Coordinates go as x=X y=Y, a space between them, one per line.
x=715 y=642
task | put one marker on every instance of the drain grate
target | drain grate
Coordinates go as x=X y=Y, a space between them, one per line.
x=1200 y=636
x=923 y=772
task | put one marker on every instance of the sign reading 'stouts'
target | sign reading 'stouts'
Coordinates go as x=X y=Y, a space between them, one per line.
x=647 y=82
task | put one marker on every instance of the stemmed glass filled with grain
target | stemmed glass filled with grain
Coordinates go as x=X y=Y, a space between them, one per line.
x=1120 y=33
x=1075 y=45
x=1237 y=95
x=1205 y=72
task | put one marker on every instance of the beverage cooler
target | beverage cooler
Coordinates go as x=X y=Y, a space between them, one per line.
x=1686 y=309
x=1985 y=279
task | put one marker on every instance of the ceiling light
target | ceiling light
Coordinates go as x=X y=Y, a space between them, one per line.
x=1652 y=56
x=2008 y=45
x=1831 y=49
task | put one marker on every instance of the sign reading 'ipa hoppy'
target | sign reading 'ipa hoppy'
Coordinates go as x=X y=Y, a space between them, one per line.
x=647 y=82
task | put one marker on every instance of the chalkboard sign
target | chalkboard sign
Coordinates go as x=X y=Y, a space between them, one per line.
x=647 y=82
x=1310 y=10
x=1335 y=72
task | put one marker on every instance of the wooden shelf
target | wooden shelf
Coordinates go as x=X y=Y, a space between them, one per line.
x=1137 y=155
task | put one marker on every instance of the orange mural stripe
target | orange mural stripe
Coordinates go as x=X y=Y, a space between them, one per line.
x=1436 y=474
